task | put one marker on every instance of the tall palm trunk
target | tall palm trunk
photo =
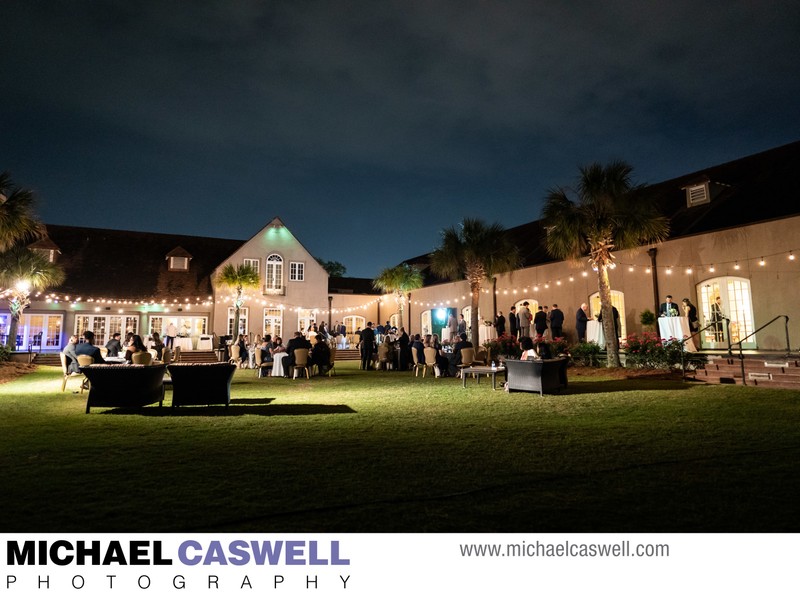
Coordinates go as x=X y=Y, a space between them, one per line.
x=609 y=329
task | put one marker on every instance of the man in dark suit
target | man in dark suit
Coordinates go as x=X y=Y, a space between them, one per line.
x=513 y=326
x=540 y=322
x=298 y=342
x=668 y=308
x=367 y=346
x=500 y=323
x=463 y=343
x=87 y=348
x=556 y=322
x=580 y=322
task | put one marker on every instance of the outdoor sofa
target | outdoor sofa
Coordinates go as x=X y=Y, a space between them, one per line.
x=537 y=375
x=201 y=383
x=124 y=385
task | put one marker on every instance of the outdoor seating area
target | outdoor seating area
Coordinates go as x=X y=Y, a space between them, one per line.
x=201 y=383
x=124 y=385
x=537 y=375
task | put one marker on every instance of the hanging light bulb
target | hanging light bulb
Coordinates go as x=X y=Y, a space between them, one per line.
x=791 y=256
x=689 y=270
x=761 y=262
x=736 y=266
x=711 y=268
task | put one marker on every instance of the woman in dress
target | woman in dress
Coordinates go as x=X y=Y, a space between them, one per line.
x=135 y=345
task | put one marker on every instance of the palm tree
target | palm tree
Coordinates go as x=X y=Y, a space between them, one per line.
x=238 y=278
x=476 y=252
x=399 y=280
x=17 y=222
x=21 y=271
x=609 y=213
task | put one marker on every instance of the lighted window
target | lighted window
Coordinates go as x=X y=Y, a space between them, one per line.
x=178 y=263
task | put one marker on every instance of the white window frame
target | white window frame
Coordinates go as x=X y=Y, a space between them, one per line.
x=255 y=263
x=297 y=271
x=243 y=322
x=272 y=323
x=618 y=301
x=273 y=273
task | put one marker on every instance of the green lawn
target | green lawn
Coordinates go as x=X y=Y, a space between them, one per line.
x=388 y=452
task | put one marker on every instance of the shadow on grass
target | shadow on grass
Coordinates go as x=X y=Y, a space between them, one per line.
x=276 y=410
x=622 y=385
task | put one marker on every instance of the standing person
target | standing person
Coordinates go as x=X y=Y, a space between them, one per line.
x=462 y=325
x=547 y=334
x=524 y=316
x=690 y=311
x=172 y=332
x=513 y=322
x=668 y=308
x=581 y=318
x=404 y=352
x=367 y=346
x=717 y=316
x=539 y=323
x=556 y=322
x=452 y=326
x=500 y=323
x=615 y=314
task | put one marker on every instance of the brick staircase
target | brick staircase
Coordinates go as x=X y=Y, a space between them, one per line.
x=759 y=370
x=348 y=355
x=51 y=359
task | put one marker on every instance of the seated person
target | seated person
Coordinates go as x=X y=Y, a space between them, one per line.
x=321 y=354
x=135 y=345
x=158 y=345
x=298 y=342
x=528 y=352
x=87 y=348
x=277 y=346
x=266 y=349
x=114 y=346
x=71 y=355
x=463 y=343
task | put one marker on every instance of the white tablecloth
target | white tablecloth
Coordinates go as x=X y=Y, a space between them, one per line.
x=277 y=364
x=486 y=333
x=185 y=343
x=594 y=332
x=676 y=327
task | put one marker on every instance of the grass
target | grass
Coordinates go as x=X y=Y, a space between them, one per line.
x=388 y=452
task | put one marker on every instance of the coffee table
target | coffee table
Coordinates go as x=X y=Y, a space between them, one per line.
x=478 y=371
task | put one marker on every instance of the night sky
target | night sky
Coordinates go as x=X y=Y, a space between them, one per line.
x=370 y=126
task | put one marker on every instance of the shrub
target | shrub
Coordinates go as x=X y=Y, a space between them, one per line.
x=586 y=354
x=649 y=351
x=5 y=353
x=504 y=345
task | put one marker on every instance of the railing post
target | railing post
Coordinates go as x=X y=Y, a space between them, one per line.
x=728 y=335
x=786 y=326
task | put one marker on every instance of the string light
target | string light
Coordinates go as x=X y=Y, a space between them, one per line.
x=791 y=256
x=761 y=262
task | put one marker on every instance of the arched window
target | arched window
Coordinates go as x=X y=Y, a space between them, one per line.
x=273 y=273
x=735 y=303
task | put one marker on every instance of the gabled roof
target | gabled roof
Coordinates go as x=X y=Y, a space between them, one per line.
x=133 y=265
x=754 y=189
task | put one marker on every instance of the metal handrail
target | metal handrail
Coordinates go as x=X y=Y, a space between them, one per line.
x=683 y=342
x=741 y=350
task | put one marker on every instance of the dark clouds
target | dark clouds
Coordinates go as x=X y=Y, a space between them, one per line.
x=212 y=117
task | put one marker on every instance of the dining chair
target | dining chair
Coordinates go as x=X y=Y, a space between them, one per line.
x=417 y=364
x=430 y=361
x=67 y=375
x=301 y=363
x=142 y=358
x=467 y=358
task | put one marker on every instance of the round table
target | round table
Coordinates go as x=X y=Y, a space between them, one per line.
x=277 y=364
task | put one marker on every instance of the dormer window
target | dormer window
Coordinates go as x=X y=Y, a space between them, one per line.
x=697 y=194
x=178 y=260
x=178 y=263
